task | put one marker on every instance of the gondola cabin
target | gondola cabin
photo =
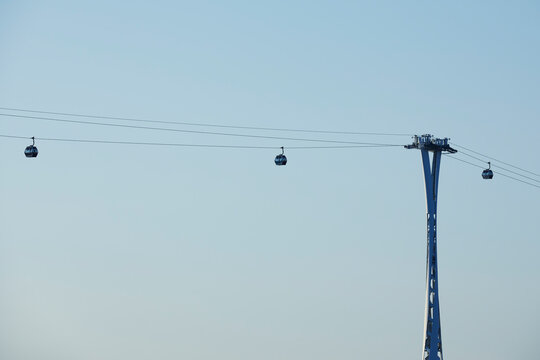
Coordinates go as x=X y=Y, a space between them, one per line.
x=31 y=151
x=487 y=174
x=281 y=160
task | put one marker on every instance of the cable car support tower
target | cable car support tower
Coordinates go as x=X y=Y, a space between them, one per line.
x=432 y=343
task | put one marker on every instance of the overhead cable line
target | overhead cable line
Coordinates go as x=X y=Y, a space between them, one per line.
x=500 y=167
x=451 y=156
x=193 y=145
x=203 y=124
x=94 y=141
x=192 y=131
x=492 y=158
x=349 y=144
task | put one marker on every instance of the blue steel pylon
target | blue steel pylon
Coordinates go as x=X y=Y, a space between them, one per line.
x=432 y=344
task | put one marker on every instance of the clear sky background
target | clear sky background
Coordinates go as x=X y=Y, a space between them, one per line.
x=132 y=252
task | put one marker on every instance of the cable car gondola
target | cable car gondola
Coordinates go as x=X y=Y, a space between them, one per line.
x=281 y=159
x=487 y=174
x=31 y=151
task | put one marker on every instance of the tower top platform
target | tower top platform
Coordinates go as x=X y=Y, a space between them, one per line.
x=431 y=143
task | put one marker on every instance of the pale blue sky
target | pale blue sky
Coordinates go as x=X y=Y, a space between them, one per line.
x=118 y=252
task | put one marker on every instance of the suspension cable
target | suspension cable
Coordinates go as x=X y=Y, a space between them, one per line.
x=202 y=124
x=500 y=167
x=481 y=167
x=189 y=131
x=492 y=158
x=94 y=141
